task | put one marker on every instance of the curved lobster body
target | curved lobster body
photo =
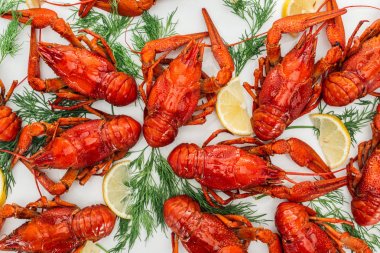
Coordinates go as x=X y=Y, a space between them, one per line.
x=358 y=75
x=129 y=8
x=60 y=229
x=89 y=143
x=228 y=168
x=199 y=232
x=171 y=95
x=173 y=98
x=89 y=74
x=83 y=150
x=286 y=91
x=299 y=233
x=222 y=167
x=363 y=185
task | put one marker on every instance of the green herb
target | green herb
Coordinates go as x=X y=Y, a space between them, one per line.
x=151 y=27
x=255 y=13
x=333 y=205
x=34 y=106
x=110 y=27
x=8 y=41
x=354 y=117
x=152 y=183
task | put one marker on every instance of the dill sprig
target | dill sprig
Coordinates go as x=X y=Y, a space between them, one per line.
x=111 y=27
x=151 y=27
x=34 y=107
x=8 y=41
x=5 y=162
x=151 y=183
x=333 y=205
x=355 y=118
x=255 y=13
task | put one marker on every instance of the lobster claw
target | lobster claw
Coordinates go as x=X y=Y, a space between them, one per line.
x=39 y=17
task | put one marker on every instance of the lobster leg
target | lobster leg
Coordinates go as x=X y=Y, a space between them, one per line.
x=86 y=174
x=264 y=235
x=43 y=202
x=300 y=152
x=14 y=210
x=314 y=100
x=294 y=24
x=222 y=56
x=232 y=196
x=174 y=243
x=304 y=191
x=106 y=52
x=52 y=187
x=85 y=8
x=348 y=241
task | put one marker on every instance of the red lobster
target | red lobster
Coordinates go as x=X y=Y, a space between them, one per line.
x=288 y=90
x=10 y=123
x=62 y=228
x=83 y=75
x=363 y=184
x=83 y=150
x=301 y=232
x=228 y=168
x=358 y=72
x=201 y=232
x=173 y=98
x=129 y=8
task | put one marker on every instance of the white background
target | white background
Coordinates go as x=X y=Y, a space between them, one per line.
x=189 y=20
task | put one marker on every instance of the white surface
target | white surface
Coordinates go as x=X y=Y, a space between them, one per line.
x=190 y=20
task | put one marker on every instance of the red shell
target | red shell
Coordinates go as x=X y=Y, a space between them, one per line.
x=61 y=230
x=199 y=232
x=89 y=74
x=10 y=124
x=89 y=143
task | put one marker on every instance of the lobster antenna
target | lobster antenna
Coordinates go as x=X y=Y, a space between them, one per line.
x=15 y=154
x=247 y=39
x=313 y=174
x=361 y=6
x=70 y=4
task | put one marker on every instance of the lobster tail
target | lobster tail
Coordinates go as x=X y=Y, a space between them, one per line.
x=120 y=89
x=366 y=211
x=94 y=222
x=10 y=124
x=158 y=132
x=177 y=210
x=268 y=123
x=180 y=160
x=339 y=89
x=123 y=132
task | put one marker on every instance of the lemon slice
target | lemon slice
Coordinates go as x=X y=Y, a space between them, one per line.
x=334 y=138
x=90 y=247
x=116 y=193
x=34 y=3
x=3 y=187
x=232 y=109
x=293 y=7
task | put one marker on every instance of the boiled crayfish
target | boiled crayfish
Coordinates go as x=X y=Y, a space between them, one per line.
x=358 y=72
x=288 y=90
x=228 y=168
x=174 y=96
x=10 y=123
x=83 y=150
x=363 y=184
x=129 y=8
x=83 y=75
x=301 y=231
x=203 y=232
x=63 y=228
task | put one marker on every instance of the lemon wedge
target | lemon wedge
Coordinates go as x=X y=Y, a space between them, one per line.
x=34 y=3
x=231 y=109
x=334 y=138
x=90 y=247
x=293 y=7
x=3 y=187
x=116 y=192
